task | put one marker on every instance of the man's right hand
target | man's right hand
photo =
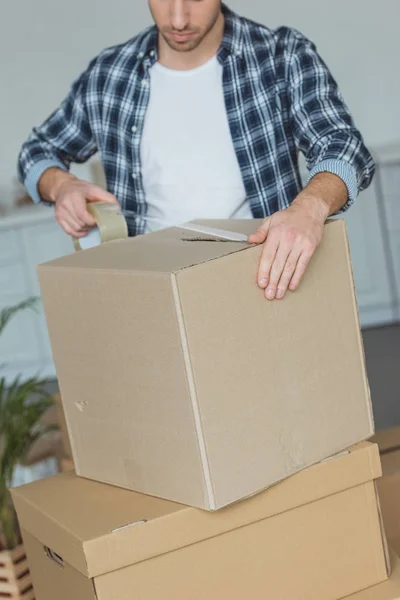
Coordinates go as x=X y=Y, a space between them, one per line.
x=70 y=196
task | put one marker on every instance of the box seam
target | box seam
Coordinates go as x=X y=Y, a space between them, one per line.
x=92 y=579
x=335 y=454
x=248 y=523
x=210 y=260
x=193 y=395
x=54 y=522
x=385 y=545
x=361 y=349
x=45 y=267
x=70 y=435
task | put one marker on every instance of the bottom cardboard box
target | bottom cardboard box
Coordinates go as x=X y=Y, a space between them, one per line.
x=389 y=485
x=389 y=590
x=315 y=536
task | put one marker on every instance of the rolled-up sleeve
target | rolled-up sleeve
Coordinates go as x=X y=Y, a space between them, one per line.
x=64 y=137
x=322 y=125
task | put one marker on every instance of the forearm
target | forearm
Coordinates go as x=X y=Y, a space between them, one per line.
x=50 y=183
x=65 y=137
x=323 y=128
x=324 y=195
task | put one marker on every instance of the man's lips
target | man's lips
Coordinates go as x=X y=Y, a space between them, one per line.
x=181 y=37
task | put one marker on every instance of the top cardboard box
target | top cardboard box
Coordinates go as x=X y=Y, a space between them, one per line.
x=180 y=380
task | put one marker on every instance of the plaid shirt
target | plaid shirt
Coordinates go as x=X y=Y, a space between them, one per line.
x=280 y=99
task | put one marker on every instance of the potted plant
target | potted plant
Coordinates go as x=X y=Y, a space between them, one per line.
x=22 y=406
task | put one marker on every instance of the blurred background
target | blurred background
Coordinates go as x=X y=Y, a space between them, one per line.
x=45 y=45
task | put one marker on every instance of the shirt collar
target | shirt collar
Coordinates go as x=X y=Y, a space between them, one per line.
x=232 y=42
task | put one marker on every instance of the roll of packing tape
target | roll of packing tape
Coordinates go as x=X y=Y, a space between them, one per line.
x=110 y=225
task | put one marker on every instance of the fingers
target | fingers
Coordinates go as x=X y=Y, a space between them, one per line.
x=95 y=193
x=74 y=218
x=273 y=258
x=287 y=273
x=301 y=267
x=259 y=236
x=268 y=256
x=283 y=262
x=71 y=206
x=82 y=214
x=72 y=229
x=277 y=268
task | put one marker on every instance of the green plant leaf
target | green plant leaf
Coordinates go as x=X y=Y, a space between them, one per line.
x=22 y=406
x=7 y=313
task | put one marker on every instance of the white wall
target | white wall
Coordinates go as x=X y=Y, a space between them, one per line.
x=44 y=45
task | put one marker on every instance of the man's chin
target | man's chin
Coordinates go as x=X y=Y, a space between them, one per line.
x=186 y=46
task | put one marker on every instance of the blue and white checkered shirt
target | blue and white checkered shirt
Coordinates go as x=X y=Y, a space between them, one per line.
x=280 y=99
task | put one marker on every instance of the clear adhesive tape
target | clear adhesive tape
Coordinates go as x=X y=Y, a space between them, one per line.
x=110 y=225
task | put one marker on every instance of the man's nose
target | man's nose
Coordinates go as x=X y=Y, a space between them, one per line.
x=179 y=14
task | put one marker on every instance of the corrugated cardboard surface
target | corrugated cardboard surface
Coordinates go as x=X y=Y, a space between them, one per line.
x=166 y=251
x=52 y=582
x=65 y=583
x=388 y=590
x=309 y=538
x=388 y=441
x=66 y=444
x=195 y=388
x=389 y=494
x=322 y=550
x=290 y=349
x=77 y=517
x=128 y=410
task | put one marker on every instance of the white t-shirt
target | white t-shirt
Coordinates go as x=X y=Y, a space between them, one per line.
x=189 y=166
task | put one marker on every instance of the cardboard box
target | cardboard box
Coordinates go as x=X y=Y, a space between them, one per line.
x=315 y=536
x=180 y=380
x=389 y=485
x=66 y=444
x=388 y=590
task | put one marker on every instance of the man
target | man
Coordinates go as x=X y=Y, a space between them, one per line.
x=203 y=116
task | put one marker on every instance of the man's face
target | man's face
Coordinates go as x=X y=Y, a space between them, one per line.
x=184 y=23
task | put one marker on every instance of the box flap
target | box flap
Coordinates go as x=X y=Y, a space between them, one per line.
x=166 y=251
x=387 y=439
x=388 y=590
x=77 y=519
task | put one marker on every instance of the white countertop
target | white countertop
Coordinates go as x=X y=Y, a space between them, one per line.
x=21 y=216
x=387 y=154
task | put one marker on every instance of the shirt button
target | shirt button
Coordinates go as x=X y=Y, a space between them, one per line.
x=145 y=83
x=134 y=129
x=134 y=175
x=141 y=54
x=152 y=53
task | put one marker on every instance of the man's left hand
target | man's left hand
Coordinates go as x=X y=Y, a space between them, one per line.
x=290 y=238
